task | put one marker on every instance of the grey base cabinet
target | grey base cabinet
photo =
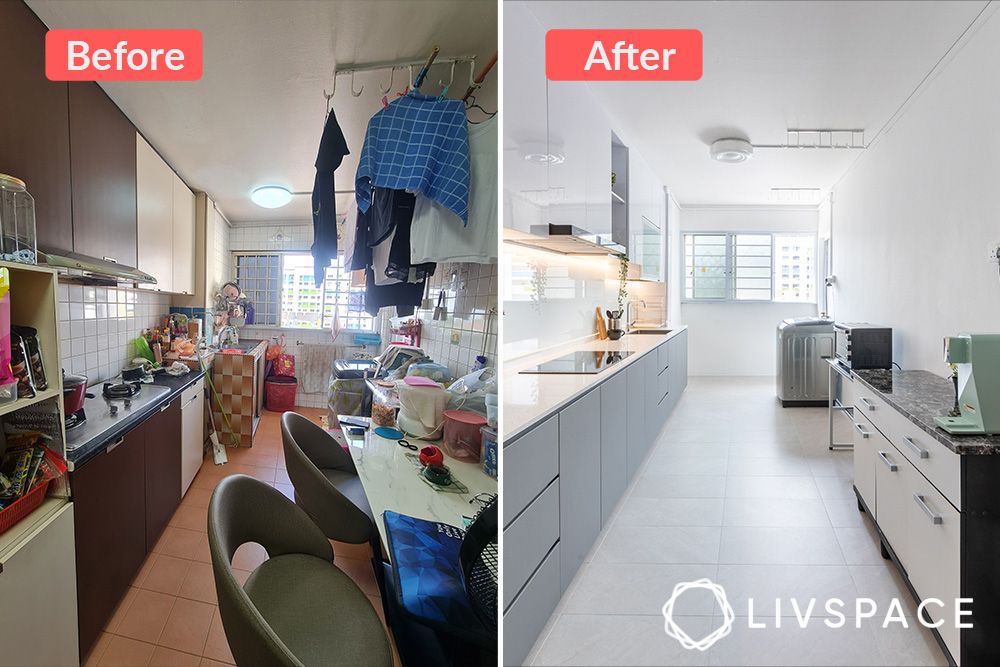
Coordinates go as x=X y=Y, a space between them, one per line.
x=564 y=476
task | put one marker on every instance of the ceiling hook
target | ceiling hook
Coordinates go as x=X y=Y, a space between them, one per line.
x=329 y=96
x=392 y=74
x=472 y=72
x=353 y=92
x=452 y=79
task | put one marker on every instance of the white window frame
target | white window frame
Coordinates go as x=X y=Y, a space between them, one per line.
x=730 y=288
x=281 y=254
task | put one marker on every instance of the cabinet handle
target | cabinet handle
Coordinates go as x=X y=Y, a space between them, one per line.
x=917 y=449
x=114 y=445
x=110 y=259
x=935 y=517
x=862 y=431
x=871 y=406
x=885 y=459
x=166 y=407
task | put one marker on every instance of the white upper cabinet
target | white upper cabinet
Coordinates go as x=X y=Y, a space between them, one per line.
x=184 y=237
x=525 y=123
x=646 y=206
x=154 y=214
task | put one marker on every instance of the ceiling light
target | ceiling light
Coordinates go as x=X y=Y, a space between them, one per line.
x=271 y=196
x=731 y=150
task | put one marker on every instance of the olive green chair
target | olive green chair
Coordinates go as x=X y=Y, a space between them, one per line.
x=297 y=609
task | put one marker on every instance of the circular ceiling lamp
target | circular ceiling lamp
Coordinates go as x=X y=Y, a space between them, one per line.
x=271 y=196
x=732 y=151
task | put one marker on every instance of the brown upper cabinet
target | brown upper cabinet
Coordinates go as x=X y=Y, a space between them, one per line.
x=102 y=158
x=34 y=124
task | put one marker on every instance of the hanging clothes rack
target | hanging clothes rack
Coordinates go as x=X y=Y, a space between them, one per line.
x=349 y=69
x=482 y=75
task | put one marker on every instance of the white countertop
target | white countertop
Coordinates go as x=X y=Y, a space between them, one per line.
x=529 y=399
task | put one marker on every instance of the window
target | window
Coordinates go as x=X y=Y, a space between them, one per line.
x=283 y=294
x=749 y=267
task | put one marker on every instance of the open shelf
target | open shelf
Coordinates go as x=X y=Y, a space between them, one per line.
x=40 y=396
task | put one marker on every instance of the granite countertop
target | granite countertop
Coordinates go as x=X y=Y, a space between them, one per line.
x=85 y=452
x=531 y=398
x=921 y=396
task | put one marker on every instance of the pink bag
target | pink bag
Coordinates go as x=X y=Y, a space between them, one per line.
x=284 y=364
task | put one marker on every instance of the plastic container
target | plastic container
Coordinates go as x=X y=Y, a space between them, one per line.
x=463 y=438
x=490 y=456
x=29 y=502
x=17 y=222
x=279 y=393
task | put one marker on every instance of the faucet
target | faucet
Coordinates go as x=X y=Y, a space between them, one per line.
x=227 y=336
x=628 y=311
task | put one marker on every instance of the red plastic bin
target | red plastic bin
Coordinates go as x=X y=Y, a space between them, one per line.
x=279 y=392
x=29 y=502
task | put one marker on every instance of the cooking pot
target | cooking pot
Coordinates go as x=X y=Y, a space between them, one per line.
x=74 y=391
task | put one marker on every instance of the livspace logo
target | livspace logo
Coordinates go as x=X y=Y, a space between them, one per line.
x=123 y=55
x=623 y=55
x=805 y=612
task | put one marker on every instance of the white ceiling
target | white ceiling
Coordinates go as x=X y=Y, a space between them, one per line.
x=768 y=66
x=256 y=115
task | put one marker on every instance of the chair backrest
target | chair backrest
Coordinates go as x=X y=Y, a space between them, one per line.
x=480 y=563
x=242 y=510
x=308 y=448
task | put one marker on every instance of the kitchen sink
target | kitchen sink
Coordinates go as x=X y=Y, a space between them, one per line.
x=658 y=332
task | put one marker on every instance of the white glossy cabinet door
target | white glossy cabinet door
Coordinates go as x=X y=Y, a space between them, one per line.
x=864 y=459
x=892 y=479
x=154 y=182
x=192 y=433
x=645 y=218
x=570 y=137
x=525 y=124
x=183 y=235
x=38 y=620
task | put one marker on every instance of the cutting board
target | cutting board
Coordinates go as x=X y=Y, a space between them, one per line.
x=602 y=327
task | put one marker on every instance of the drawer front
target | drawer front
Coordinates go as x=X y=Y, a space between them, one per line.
x=530 y=463
x=934 y=533
x=864 y=460
x=936 y=462
x=893 y=479
x=532 y=533
x=663 y=356
x=525 y=618
x=195 y=390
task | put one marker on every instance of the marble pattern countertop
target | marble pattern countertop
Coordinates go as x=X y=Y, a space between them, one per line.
x=921 y=396
x=529 y=399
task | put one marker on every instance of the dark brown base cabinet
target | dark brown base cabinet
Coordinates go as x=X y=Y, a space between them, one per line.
x=123 y=499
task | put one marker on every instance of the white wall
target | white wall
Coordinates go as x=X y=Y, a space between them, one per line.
x=738 y=338
x=913 y=220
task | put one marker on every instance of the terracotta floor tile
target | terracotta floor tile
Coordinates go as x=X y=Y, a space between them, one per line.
x=249 y=556
x=202 y=552
x=97 y=650
x=166 y=575
x=187 y=628
x=205 y=662
x=197 y=497
x=190 y=517
x=347 y=550
x=146 y=616
x=121 y=609
x=168 y=657
x=257 y=472
x=377 y=603
x=206 y=478
x=199 y=584
x=147 y=565
x=178 y=542
x=125 y=652
x=361 y=572
x=217 y=648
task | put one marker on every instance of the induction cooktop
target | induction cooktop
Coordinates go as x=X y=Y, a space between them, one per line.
x=580 y=362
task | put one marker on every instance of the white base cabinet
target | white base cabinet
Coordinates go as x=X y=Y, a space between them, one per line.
x=38 y=622
x=192 y=432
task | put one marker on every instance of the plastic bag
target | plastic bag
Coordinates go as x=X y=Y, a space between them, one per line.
x=276 y=347
x=469 y=392
x=284 y=364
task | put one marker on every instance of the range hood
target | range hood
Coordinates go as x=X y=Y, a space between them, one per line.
x=92 y=270
x=565 y=240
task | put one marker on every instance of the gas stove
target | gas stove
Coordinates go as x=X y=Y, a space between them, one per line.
x=115 y=403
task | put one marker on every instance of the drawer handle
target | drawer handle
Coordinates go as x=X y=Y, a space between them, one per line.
x=871 y=406
x=917 y=449
x=935 y=517
x=114 y=445
x=166 y=407
x=885 y=459
x=861 y=430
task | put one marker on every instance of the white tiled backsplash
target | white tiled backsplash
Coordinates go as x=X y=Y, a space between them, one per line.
x=470 y=292
x=271 y=236
x=98 y=324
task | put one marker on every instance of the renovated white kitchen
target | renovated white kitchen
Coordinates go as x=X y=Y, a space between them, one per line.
x=749 y=340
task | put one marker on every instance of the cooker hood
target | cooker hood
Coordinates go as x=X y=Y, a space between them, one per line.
x=92 y=270
x=566 y=240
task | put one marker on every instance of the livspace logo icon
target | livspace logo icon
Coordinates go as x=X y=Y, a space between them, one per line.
x=623 y=55
x=123 y=55
x=932 y=613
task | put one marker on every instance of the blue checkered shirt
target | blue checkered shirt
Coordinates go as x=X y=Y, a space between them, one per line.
x=419 y=144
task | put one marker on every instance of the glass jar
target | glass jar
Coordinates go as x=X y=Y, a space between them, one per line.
x=17 y=221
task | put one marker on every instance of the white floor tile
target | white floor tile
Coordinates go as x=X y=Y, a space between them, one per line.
x=780 y=546
x=656 y=485
x=640 y=511
x=764 y=583
x=860 y=545
x=777 y=512
x=649 y=544
x=639 y=588
x=814 y=645
x=792 y=488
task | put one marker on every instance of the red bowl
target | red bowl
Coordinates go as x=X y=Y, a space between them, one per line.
x=431 y=456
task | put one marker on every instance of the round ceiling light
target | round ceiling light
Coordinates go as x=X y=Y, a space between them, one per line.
x=271 y=196
x=731 y=150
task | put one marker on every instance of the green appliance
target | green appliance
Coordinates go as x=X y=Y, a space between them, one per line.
x=977 y=357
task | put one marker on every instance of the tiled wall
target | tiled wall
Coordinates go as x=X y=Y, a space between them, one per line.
x=272 y=236
x=470 y=292
x=97 y=326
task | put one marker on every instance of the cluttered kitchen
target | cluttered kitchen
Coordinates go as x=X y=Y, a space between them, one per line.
x=751 y=407
x=249 y=338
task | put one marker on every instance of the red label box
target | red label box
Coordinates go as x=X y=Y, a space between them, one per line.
x=123 y=55
x=623 y=55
